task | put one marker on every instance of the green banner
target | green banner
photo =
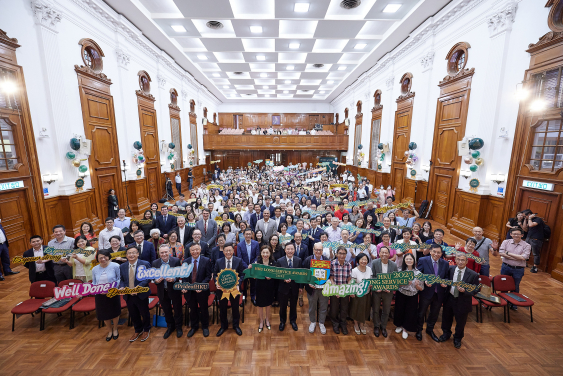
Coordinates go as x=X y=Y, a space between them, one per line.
x=391 y=281
x=297 y=275
x=432 y=279
x=358 y=289
x=449 y=251
x=66 y=252
x=335 y=245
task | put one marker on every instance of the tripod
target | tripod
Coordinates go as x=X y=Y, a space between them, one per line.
x=167 y=190
x=124 y=169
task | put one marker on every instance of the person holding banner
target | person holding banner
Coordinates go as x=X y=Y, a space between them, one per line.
x=470 y=244
x=314 y=294
x=79 y=263
x=433 y=295
x=340 y=274
x=40 y=270
x=406 y=300
x=386 y=242
x=360 y=307
x=458 y=301
x=382 y=299
x=115 y=246
x=265 y=288
x=288 y=290
x=137 y=304
x=406 y=239
x=198 y=299
x=107 y=309
x=235 y=263
x=167 y=296
x=61 y=241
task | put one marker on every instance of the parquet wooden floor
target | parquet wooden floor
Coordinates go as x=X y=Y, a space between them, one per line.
x=490 y=348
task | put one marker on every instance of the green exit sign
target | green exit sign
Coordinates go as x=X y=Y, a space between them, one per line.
x=537 y=185
x=11 y=185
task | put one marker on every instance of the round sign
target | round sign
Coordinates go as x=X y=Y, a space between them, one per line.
x=139 y=172
x=227 y=279
x=413 y=172
x=79 y=183
x=379 y=167
x=474 y=183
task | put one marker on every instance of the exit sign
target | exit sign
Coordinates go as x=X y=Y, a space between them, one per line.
x=11 y=185
x=537 y=185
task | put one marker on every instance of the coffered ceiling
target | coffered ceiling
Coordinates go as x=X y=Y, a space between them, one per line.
x=276 y=49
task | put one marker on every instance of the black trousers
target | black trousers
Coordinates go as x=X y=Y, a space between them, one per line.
x=224 y=306
x=199 y=311
x=139 y=312
x=44 y=277
x=179 y=187
x=172 y=306
x=339 y=310
x=62 y=272
x=434 y=303
x=283 y=298
x=5 y=258
x=451 y=310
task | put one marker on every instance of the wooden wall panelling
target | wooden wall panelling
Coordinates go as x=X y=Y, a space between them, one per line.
x=264 y=120
x=176 y=125
x=358 y=131
x=72 y=210
x=274 y=142
x=151 y=147
x=545 y=55
x=138 y=193
x=17 y=116
x=194 y=140
x=16 y=215
x=449 y=128
x=225 y=120
x=409 y=190
x=401 y=137
x=421 y=193
x=99 y=126
x=375 y=132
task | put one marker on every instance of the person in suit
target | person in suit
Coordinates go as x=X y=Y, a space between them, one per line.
x=217 y=252
x=229 y=262
x=40 y=270
x=208 y=228
x=255 y=217
x=314 y=294
x=267 y=226
x=185 y=233
x=268 y=205
x=146 y=249
x=288 y=290
x=5 y=254
x=205 y=249
x=382 y=299
x=170 y=299
x=458 y=301
x=137 y=304
x=314 y=233
x=165 y=222
x=301 y=248
x=198 y=299
x=433 y=295
x=248 y=250
x=278 y=217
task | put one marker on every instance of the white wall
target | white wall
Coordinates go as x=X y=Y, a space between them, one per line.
x=48 y=54
x=498 y=55
x=275 y=107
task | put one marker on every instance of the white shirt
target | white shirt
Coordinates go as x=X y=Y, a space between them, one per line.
x=2 y=237
x=290 y=260
x=178 y=179
x=140 y=248
x=452 y=289
x=384 y=267
x=181 y=232
x=39 y=267
x=333 y=235
x=266 y=226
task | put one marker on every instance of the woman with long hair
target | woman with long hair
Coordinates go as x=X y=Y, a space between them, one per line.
x=107 y=309
x=176 y=247
x=80 y=263
x=406 y=300
x=360 y=307
x=147 y=224
x=87 y=230
x=133 y=226
x=113 y=204
x=259 y=237
x=265 y=289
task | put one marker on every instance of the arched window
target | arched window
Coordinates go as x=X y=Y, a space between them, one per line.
x=8 y=154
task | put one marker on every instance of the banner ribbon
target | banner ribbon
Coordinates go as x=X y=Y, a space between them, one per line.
x=258 y=271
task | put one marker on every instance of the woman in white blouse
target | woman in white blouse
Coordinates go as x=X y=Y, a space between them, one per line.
x=360 y=307
x=406 y=234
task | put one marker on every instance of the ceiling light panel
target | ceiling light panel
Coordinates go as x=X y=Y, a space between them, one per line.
x=259 y=45
x=297 y=29
x=292 y=57
x=179 y=28
x=229 y=57
x=301 y=7
x=253 y=9
x=256 y=29
x=375 y=29
x=391 y=8
x=330 y=45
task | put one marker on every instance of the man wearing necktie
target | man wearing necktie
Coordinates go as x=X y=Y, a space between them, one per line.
x=198 y=299
x=137 y=304
x=170 y=299
x=288 y=290
x=315 y=294
x=208 y=228
x=433 y=295
x=229 y=262
x=458 y=302
x=166 y=222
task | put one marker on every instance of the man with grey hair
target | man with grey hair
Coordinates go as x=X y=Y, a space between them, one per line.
x=266 y=225
x=314 y=294
x=484 y=247
x=458 y=301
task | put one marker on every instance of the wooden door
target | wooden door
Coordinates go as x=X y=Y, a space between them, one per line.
x=16 y=219
x=449 y=128
x=546 y=205
x=401 y=138
x=149 y=138
x=99 y=126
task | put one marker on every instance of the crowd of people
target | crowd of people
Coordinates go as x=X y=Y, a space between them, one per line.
x=284 y=218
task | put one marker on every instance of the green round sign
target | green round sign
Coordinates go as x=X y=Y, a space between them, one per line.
x=79 y=183
x=227 y=279
x=413 y=172
x=139 y=172
x=474 y=183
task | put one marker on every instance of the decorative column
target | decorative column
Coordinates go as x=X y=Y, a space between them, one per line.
x=387 y=129
x=164 y=123
x=47 y=18
x=424 y=155
x=500 y=25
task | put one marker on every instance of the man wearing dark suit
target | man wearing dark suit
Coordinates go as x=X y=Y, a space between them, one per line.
x=288 y=290
x=458 y=302
x=146 y=249
x=314 y=234
x=229 y=262
x=185 y=233
x=41 y=270
x=137 y=304
x=196 y=235
x=5 y=254
x=278 y=218
x=248 y=250
x=433 y=295
x=168 y=297
x=208 y=228
x=165 y=222
x=381 y=301
x=268 y=205
x=301 y=249
x=198 y=300
x=255 y=217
